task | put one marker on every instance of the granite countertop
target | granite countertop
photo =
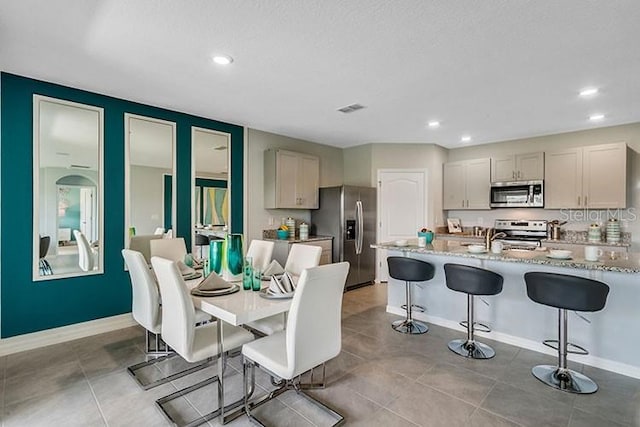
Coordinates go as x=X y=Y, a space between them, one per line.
x=585 y=243
x=626 y=263
x=298 y=240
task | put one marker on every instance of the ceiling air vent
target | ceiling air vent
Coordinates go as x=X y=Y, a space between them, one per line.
x=351 y=108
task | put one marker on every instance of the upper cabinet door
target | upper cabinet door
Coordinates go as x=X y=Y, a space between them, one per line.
x=605 y=176
x=530 y=167
x=291 y=180
x=309 y=180
x=503 y=169
x=563 y=179
x=478 y=186
x=454 y=192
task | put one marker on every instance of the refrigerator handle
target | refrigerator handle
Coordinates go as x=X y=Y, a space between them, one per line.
x=359 y=227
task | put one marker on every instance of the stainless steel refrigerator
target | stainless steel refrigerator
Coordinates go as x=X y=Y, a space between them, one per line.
x=349 y=215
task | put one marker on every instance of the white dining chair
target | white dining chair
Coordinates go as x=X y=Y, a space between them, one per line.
x=142 y=243
x=159 y=231
x=312 y=337
x=193 y=343
x=173 y=249
x=300 y=257
x=147 y=311
x=86 y=255
x=261 y=251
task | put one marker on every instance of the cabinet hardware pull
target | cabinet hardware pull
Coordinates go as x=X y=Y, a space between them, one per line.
x=578 y=200
x=463 y=203
x=513 y=174
x=585 y=201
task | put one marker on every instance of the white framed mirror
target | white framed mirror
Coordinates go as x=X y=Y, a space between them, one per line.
x=210 y=166
x=150 y=165
x=67 y=189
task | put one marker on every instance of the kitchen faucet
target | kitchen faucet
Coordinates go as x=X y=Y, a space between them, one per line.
x=491 y=235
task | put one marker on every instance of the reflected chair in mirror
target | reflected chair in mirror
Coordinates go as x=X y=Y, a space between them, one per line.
x=45 y=267
x=147 y=311
x=172 y=249
x=410 y=270
x=201 y=240
x=472 y=281
x=313 y=336
x=86 y=254
x=142 y=244
x=194 y=344
x=301 y=257
x=261 y=252
x=564 y=292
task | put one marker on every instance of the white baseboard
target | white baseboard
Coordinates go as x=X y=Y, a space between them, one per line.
x=64 y=333
x=597 y=362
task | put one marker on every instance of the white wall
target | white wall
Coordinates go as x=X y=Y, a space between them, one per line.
x=258 y=218
x=626 y=133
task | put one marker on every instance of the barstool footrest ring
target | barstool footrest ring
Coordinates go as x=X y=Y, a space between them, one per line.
x=571 y=348
x=477 y=326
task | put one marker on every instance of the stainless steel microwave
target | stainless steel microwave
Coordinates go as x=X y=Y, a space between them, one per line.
x=517 y=194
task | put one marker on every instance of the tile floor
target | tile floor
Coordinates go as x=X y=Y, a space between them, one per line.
x=381 y=378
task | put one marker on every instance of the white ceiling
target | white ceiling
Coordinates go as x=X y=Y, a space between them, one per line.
x=495 y=69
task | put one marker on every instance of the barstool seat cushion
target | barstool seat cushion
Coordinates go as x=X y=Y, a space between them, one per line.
x=409 y=269
x=566 y=292
x=472 y=280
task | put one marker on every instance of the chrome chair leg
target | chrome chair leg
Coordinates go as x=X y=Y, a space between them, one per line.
x=469 y=347
x=408 y=325
x=560 y=376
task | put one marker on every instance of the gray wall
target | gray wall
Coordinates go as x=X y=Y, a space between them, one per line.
x=147 y=198
x=258 y=218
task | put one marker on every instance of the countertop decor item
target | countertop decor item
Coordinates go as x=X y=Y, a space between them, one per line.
x=291 y=226
x=613 y=231
x=283 y=234
x=427 y=234
x=304 y=231
x=594 y=235
x=454 y=225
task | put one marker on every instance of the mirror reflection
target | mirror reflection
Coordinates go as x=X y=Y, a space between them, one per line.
x=149 y=199
x=67 y=193
x=211 y=201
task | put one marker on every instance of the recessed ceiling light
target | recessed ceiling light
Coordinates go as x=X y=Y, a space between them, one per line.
x=465 y=138
x=589 y=91
x=222 y=59
x=433 y=124
x=596 y=117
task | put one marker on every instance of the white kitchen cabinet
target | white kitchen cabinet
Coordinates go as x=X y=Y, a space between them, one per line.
x=291 y=180
x=587 y=177
x=467 y=184
x=518 y=167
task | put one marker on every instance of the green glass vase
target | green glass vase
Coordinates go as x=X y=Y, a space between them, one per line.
x=216 y=254
x=234 y=256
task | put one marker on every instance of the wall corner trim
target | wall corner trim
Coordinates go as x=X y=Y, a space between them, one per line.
x=65 y=333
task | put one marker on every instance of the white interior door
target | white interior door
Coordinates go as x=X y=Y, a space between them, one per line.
x=401 y=209
x=86 y=213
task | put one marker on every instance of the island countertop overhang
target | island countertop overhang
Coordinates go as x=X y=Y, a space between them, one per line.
x=628 y=263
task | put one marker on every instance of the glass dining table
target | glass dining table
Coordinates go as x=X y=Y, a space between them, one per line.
x=236 y=309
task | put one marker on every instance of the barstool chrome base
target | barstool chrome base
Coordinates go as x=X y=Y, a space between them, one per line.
x=471 y=349
x=565 y=380
x=409 y=326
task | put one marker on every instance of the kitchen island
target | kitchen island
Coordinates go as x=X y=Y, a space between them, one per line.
x=612 y=337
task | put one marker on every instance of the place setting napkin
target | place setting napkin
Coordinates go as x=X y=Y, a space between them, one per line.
x=214 y=285
x=187 y=272
x=281 y=286
x=274 y=268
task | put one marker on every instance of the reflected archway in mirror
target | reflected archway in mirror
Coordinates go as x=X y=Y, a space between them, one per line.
x=67 y=188
x=150 y=203
x=210 y=159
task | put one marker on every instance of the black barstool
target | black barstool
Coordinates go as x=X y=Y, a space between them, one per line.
x=202 y=240
x=472 y=281
x=565 y=292
x=410 y=270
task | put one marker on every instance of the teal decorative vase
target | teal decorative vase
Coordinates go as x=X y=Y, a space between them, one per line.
x=216 y=254
x=234 y=257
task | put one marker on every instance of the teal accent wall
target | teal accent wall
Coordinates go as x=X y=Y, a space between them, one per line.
x=27 y=306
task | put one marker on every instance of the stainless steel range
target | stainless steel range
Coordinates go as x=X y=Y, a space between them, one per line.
x=521 y=234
